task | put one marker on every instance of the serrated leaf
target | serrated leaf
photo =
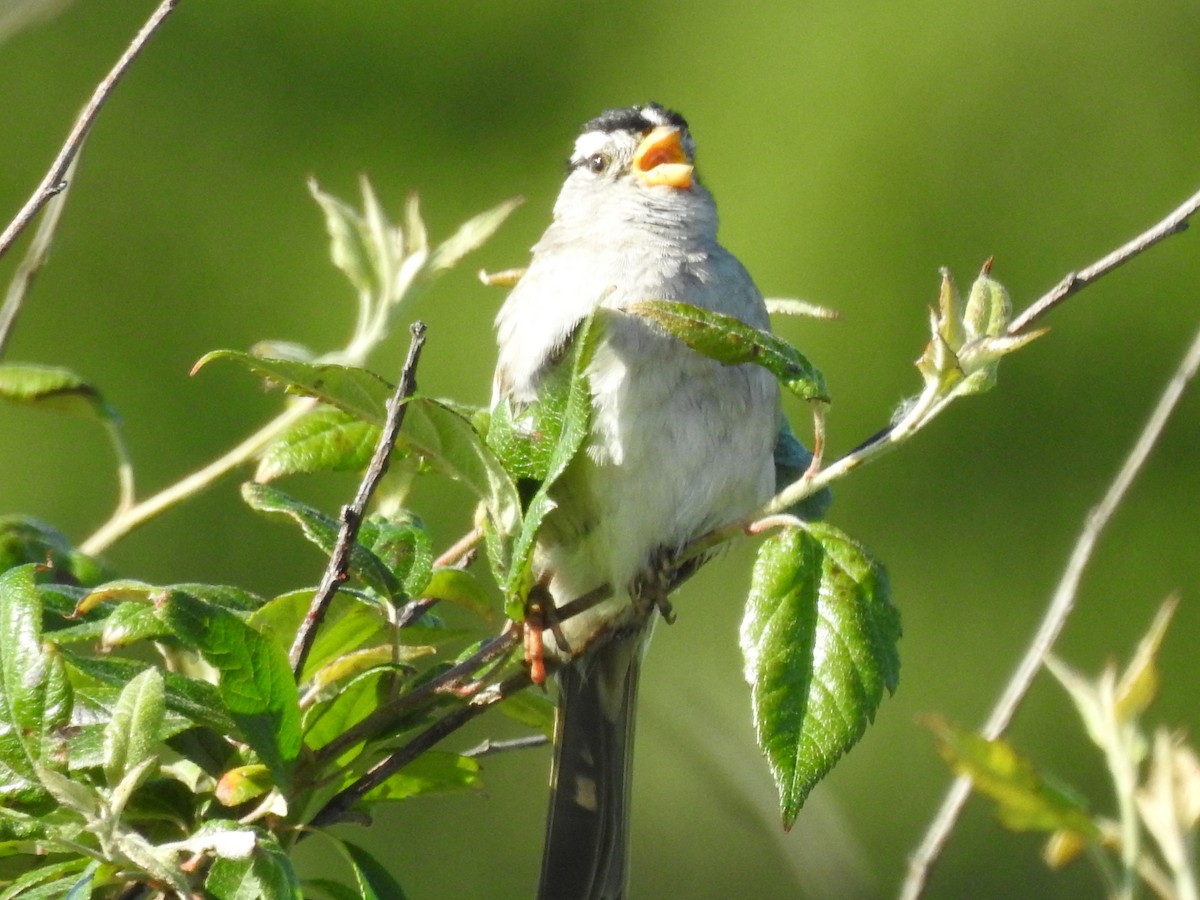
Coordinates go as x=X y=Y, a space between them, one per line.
x=449 y=441
x=255 y=685
x=50 y=387
x=1025 y=799
x=35 y=696
x=471 y=235
x=819 y=644
x=732 y=342
x=326 y=440
x=322 y=530
x=562 y=418
x=360 y=393
x=132 y=735
x=401 y=543
x=374 y=881
x=197 y=701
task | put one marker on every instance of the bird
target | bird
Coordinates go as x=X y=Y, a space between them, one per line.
x=678 y=444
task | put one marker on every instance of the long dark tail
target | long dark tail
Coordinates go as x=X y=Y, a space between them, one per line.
x=587 y=835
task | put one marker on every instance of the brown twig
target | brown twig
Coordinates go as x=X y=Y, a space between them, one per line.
x=1054 y=620
x=342 y=804
x=338 y=569
x=1075 y=282
x=53 y=182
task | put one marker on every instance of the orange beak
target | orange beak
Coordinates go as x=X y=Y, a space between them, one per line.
x=659 y=159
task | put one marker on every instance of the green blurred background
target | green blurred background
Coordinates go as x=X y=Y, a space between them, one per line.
x=853 y=148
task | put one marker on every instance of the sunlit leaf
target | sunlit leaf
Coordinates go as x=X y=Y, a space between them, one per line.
x=132 y=735
x=819 y=643
x=255 y=685
x=50 y=387
x=1138 y=684
x=267 y=872
x=35 y=696
x=323 y=531
x=433 y=772
x=358 y=392
x=243 y=783
x=732 y=342
x=326 y=440
x=471 y=235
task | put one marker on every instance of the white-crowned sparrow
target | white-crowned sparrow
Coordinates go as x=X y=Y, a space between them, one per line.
x=679 y=444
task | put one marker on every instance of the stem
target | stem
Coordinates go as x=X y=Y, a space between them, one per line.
x=124 y=520
x=338 y=569
x=1054 y=619
x=52 y=183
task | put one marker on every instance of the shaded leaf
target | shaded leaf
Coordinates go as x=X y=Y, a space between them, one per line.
x=56 y=876
x=326 y=440
x=819 y=643
x=24 y=539
x=350 y=621
x=1025 y=799
x=255 y=685
x=374 y=881
x=732 y=342
x=322 y=530
x=401 y=543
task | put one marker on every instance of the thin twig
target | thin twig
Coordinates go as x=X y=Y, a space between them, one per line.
x=53 y=182
x=1075 y=282
x=488 y=747
x=1054 y=620
x=341 y=806
x=338 y=569
x=127 y=518
x=385 y=717
x=35 y=257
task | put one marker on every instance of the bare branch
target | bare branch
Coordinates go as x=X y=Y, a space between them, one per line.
x=338 y=569
x=1075 y=282
x=488 y=747
x=1055 y=618
x=53 y=182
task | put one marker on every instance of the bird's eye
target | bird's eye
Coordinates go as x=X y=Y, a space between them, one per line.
x=597 y=162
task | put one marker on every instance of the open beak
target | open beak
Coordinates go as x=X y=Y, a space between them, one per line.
x=659 y=159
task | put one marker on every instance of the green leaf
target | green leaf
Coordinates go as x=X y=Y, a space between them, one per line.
x=555 y=428
x=243 y=783
x=326 y=440
x=266 y=873
x=49 y=880
x=50 y=387
x=449 y=441
x=460 y=586
x=197 y=701
x=1025 y=799
x=35 y=696
x=732 y=342
x=360 y=393
x=255 y=683
x=433 y=772
x=322 y=530
x=355 y=247
x=401 y=543
x=350 y=621
x=471 y=235
x=532 y=709
x=374 y=881
x=24 y=539
x=819 y=644
x=132 y=735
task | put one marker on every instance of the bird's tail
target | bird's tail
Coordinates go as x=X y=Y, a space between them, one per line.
x=587 y=836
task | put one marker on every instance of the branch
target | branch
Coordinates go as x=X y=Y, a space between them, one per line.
x=53 y=182
x=1075 y=282
x=1056 y=615
x=338 y=569
x=339 y=808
